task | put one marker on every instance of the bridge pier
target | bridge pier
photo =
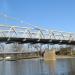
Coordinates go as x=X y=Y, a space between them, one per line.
x=50 y=55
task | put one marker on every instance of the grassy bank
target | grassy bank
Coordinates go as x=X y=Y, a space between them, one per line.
x=18 y=56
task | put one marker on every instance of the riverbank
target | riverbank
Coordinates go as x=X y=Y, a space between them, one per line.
x=18 y=56
x=64 y=56
x=34 y=57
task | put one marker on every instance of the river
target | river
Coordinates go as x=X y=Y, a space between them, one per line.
x=38 y=67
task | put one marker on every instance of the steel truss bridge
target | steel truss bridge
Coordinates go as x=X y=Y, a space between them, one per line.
x=15 y=39
x=12 y=34
x=21 y=38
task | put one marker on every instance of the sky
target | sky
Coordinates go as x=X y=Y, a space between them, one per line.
x=48 y=14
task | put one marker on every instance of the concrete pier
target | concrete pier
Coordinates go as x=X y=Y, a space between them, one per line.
x=50 y=55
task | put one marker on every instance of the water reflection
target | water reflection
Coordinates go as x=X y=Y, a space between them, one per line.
x=65 y=67
x=51 y=67
x=38 y=67
x=1 y=68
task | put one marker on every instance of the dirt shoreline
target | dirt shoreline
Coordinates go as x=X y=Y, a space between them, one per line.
x=57 y=57
x=62 y=57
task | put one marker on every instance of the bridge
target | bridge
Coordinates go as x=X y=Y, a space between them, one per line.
x=20 y=41
x=21 y=35
x=14 y=38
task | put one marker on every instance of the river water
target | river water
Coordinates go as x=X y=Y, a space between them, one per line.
x=38 y=67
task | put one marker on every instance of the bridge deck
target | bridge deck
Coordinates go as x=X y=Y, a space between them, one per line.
x=35 y=40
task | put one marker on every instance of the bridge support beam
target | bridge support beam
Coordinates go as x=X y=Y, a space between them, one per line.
x=50 y=55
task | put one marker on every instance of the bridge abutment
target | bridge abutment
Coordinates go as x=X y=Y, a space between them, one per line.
x=50 y=55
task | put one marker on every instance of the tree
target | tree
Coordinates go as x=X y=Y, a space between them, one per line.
x=64 y=51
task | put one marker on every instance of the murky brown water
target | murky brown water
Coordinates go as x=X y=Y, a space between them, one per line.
x=38 y=67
